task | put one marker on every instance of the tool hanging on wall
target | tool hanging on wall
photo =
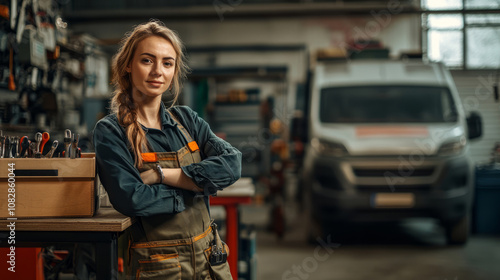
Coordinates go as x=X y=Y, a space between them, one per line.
x=4 y=11
x=21 y=21
x=13 y=14
x=12 y=83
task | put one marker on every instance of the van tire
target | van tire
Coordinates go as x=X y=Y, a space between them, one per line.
x=457 y=233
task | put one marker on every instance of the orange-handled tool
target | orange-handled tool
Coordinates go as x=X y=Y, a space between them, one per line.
x=45 y=138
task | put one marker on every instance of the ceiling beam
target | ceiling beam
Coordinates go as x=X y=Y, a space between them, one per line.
x=219 y=12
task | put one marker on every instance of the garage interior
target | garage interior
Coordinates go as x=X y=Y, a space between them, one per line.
x=253 y=72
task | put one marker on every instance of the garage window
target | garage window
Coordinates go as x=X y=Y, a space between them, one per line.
x=463 y=34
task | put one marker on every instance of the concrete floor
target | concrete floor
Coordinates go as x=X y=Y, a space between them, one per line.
x=414 y=250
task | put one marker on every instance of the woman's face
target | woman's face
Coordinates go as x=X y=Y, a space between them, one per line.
x=152 y=67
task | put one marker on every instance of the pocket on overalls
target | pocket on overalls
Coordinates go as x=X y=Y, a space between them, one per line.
x=159 y=266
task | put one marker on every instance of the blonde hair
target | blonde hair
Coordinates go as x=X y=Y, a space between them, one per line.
x=122 y=102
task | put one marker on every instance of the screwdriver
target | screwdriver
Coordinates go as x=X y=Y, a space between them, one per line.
x=45 y=138
x=15 y=153
x=67 y=142
x=74 y=146
x=38 y=139
x=8 y=148
x=25 y=143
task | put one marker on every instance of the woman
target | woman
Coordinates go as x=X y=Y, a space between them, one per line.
x=161 y=165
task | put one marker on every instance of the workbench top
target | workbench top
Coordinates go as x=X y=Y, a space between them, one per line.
x=106 y=219
x=241 y=188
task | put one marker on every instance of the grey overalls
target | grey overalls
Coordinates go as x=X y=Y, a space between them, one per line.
x=175 y=246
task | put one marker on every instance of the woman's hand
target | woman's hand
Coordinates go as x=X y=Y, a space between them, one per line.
x=174 y=177
x=150 y=177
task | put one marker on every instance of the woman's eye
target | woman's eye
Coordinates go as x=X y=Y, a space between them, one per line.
x=167 y=64
x=146 y=60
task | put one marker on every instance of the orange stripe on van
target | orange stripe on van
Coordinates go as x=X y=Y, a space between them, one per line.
x=367 y=131
x=149 y=157
x=193 y=146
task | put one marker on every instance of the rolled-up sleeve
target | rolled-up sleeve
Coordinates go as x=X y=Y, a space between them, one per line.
x=221 y=163
x=127 y=192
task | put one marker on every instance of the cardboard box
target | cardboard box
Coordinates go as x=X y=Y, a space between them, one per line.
x=55 y=187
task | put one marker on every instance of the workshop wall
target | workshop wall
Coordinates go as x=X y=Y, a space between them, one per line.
x=476 y=91
x=399 y=32
x=396 y=32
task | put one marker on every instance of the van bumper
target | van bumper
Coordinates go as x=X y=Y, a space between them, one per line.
x=345 y=189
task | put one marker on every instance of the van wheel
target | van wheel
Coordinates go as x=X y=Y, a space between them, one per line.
x=457 y=233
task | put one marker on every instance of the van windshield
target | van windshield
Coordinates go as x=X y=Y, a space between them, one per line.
x=387 y=104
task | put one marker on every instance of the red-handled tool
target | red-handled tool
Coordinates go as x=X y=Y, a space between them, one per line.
x=24 y=144
x=45 y=138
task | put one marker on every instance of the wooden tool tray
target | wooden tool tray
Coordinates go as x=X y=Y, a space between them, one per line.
x=55 y=187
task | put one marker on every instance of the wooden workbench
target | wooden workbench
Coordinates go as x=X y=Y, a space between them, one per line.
x=106 y=219
x=102 y=230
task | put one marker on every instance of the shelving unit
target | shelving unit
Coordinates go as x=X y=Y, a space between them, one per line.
x=54 y=71
x=234 y=109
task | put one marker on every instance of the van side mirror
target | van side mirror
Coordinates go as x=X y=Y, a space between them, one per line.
x=475 y=125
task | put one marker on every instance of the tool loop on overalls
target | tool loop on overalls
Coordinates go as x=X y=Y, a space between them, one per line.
x=218 y=255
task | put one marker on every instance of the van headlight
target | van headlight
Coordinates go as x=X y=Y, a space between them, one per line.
x=329 y=148
x=452 y=148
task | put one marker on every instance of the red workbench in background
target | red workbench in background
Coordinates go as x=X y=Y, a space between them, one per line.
x=240 y=192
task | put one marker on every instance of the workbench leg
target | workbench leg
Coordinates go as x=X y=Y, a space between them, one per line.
x=106 y=258
x=232 y=237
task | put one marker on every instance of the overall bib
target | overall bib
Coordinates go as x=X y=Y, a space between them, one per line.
x=175 y=246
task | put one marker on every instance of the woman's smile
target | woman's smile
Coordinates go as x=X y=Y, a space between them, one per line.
x=155 y=84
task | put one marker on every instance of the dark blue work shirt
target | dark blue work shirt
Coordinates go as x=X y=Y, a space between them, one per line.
x=219 y=168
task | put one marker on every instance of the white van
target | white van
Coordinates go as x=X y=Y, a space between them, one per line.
x=388 y=140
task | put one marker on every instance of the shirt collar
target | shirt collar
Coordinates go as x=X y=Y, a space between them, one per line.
x=166 y=119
